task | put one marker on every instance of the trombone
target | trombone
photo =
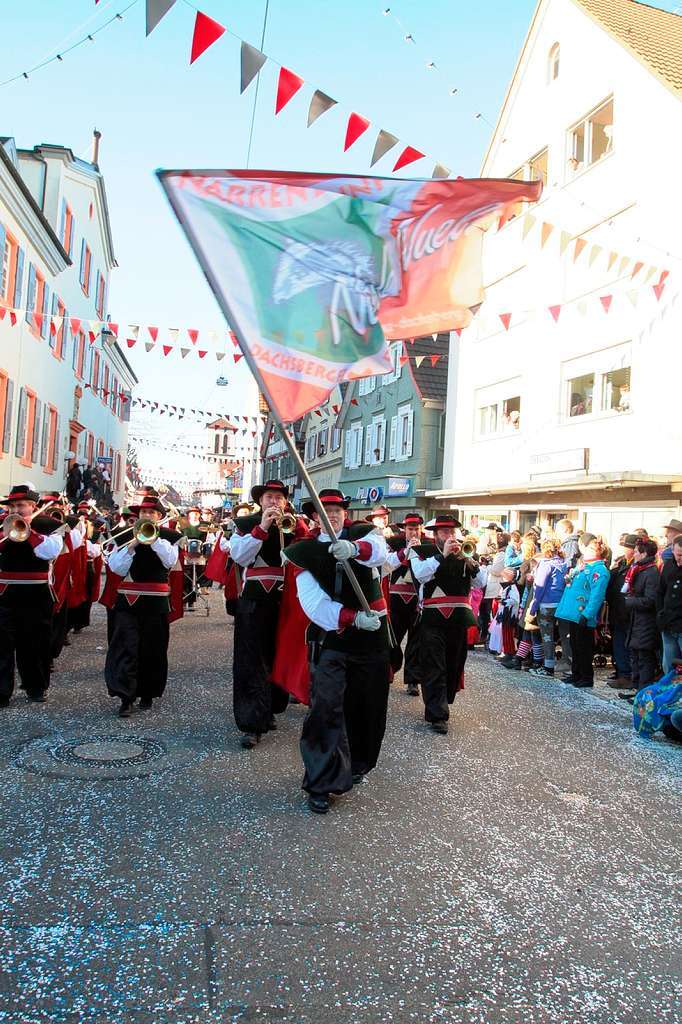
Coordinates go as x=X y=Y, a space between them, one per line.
x=144 y=531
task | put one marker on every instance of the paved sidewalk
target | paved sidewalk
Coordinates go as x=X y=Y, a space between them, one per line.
x=522 y=870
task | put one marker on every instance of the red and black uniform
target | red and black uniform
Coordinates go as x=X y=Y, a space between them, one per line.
x=91 y=568
x=255 y=698
x=404 y=610
x=445 y=585
x=26 y=601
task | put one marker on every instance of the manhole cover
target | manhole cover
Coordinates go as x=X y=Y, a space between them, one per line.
x=100 y=757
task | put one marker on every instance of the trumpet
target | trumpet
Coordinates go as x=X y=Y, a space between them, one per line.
x=287 y=522
x=16 y=528
x=467 y=549
x=145 y=531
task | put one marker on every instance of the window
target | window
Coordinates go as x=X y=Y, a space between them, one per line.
x=224 y=444
x=79 y=353
x=322 y=442
x=591 y=139
x=37 y=298
x=6 y=404
x=353 y=452
x=28 y=428
x=99 y=294
x=441 y=430
x=375 y=441
x=400 y=445
x=56 y=337
x=598 y=383
x=66 y=227
x=553 y=64
x=394 y=374
x=85 y=267
x=94 y=380
x=366 y=385
x=48 y=442
x=9 y=254
x=537 y=166
x=105 y=386
x=216 y=444
x=336 y=438
x=498 y=409
x=90 y=448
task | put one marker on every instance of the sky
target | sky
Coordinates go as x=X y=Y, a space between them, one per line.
x=156 y=111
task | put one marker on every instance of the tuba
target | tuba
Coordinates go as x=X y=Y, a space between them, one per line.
x=16 y=528
x=145 y=531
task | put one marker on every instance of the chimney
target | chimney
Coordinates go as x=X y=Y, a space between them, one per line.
x=96 y=136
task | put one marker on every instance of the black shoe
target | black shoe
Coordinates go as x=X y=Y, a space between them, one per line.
x=318 y=804
x=4 y=702
x=189 y=608
x=514 y=663
x=248 y=740
x=125 y=710
x=357 y=778
x=440 y=727
x=272 y=724
x=77 y=631
x=583 y=684
x=570 y=678
x=413 y=690
x=37 y=697
x=67 y=642
x=146 y=704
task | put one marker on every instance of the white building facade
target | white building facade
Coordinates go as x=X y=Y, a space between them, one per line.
x=64 y=386
x=568 y=406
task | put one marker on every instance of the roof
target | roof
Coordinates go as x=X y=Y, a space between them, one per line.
x=430 y=381
x=650 y=34
x=221 y=424
x=6 y=159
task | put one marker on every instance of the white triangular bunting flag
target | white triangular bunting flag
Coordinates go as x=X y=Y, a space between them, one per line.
x=156 y=10
x=252 y=60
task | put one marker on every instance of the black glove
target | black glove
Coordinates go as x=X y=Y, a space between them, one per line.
x=582 y=621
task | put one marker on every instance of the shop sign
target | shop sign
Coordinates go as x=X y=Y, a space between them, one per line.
x=399 y=486
x=570 y=461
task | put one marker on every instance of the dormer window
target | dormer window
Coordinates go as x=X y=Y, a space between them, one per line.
x=553 y=64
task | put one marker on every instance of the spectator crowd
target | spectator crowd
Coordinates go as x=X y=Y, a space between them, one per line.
x=90 y=483
x=556 y=601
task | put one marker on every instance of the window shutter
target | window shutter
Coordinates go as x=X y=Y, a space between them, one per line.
x=7 y=425
x=62 y=222
x=45 y=329
x=19 y=279
x=57 y=432
x=346 y=451
x=74 y=354
x=73 y=236
x=35 y=440
x=45 y=437
x=3 y=236
x=394 y=434
x=382 y=447
x=52 y=338
x=81 y=272
x=410 y=426
x=397 y=368
x=31 y=292
x=371 y=383
x=20 y=446
x=369 y=443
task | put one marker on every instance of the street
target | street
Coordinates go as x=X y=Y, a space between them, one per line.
x=521 y=870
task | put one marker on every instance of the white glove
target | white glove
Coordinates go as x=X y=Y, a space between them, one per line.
x=367 y=620
x=342 y=549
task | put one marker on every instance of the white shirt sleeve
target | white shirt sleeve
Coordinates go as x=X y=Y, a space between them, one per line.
x=94 y=550
x=424 y=569
x=120 y=561
x=166 y=552
x=379 y=550
x=480 y=580
x=76 y=539
x=393 y=561
x=225 y=544
x=244 y=548
x=49 y=548
x=317 y=605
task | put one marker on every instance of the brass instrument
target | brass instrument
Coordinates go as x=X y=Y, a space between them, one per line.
x=145 y=531
x=467 y=549
x=287 y=522
x=16 y=528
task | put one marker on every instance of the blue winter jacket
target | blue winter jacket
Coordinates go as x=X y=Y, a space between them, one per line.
x=512 y=557
x=584 y=594
x=550 y=581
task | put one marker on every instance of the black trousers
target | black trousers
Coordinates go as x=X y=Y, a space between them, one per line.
x=344 y=728
x=25 y=636
x=644 y=667
x=405 y=621
x=255 y=698
x=137 y=657
x=443 y=654
x=484 y=615
x=60 y=627
x=582 y=652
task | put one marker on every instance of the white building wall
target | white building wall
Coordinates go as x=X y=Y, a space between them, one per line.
x=28 y=360
x=641 y=174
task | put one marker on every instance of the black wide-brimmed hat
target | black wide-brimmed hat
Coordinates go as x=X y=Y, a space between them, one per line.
x=148 y=504
x=445 y=521
x=47 y=497
x=412 y=519
x=277 y=486
x=330 y=496
x=22 y=492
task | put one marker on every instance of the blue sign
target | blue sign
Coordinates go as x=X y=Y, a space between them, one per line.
x=399 y=486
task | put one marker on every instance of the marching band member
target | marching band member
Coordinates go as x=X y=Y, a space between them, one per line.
x=256 y=545
x=444 y=576
x=137 y=659
x=404 y=599
x=26 y=596
x=196 y=530
x=349 y=663
x=91 y=555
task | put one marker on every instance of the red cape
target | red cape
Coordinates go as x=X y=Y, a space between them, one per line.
x=77 y=590
x=62 y=570
x=216 y=564
x=290 y=668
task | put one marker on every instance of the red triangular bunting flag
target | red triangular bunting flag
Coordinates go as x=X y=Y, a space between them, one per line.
x=288 y=85
x=193 y=335
x=580 y=244
x=357 y=124
x=206 y=32
x=153 y=333
x=92 y=336
x=53 y=327
x=555 y=311
x=201 y=352
x=38 y=318
x=167 y=349
x=506 y=320
x=111 y=327
x=335 y=408
x=458 y=331
x=237 y=356
x=636 y=269
x=434 y=359
x=233 y=339
x=3 y=311
x=130 y=342
x=658 y=290
x=75 y=324
x=403 y=359
x=664 y=275
x=606 y=301
x=408 y=156
x=86 y=385
x=317 y=412
x=12 y=317
x=353 y=401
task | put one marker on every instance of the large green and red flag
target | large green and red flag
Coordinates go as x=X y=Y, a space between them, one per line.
x=315 y=273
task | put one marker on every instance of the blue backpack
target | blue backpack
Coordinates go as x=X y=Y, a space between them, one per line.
x=655 y=704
